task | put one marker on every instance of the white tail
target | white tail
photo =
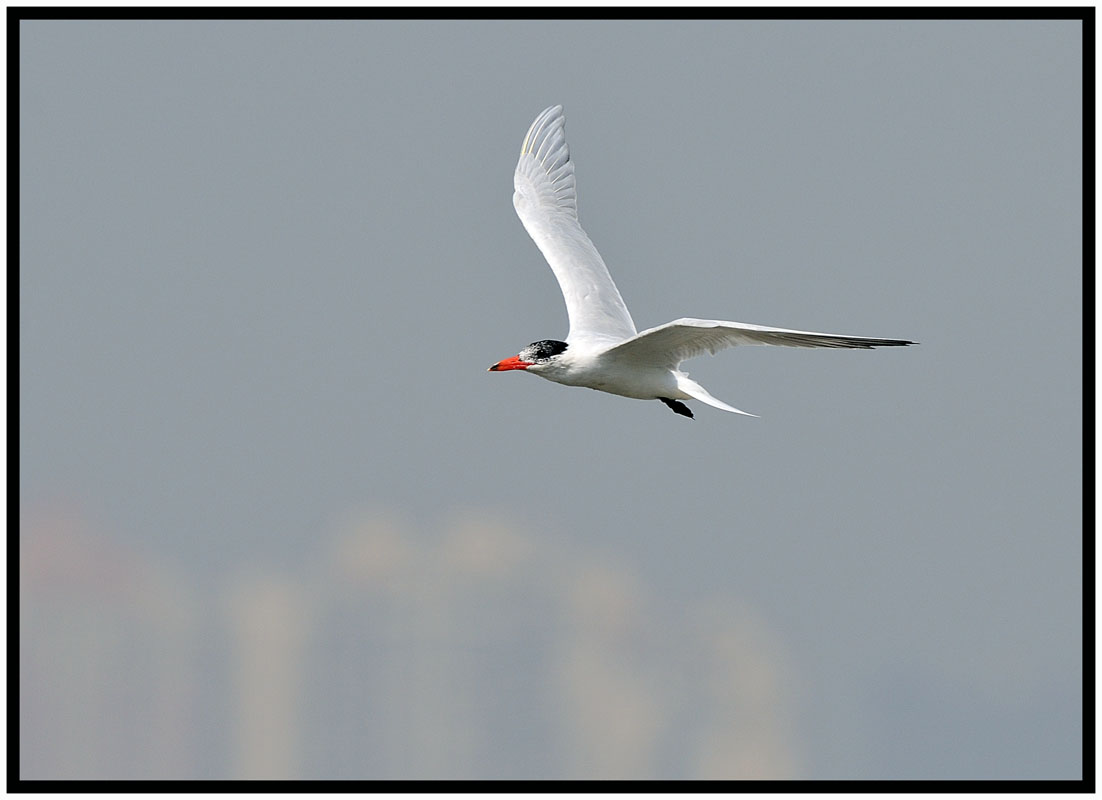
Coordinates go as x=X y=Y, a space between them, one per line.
x=698 y=392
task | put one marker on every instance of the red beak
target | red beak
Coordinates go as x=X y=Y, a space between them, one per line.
x=510 y=363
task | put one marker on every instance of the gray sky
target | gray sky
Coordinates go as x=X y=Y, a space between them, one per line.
x=264 y=266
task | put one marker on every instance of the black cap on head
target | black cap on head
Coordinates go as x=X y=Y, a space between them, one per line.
x=542 y=350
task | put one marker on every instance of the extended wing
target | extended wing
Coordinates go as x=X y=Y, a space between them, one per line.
x=670 y=344
x=547 y=204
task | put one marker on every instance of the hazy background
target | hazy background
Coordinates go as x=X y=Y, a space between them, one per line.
x=279 y=521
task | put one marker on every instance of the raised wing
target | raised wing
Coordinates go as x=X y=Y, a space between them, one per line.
x=670 y=344
x=547 y=204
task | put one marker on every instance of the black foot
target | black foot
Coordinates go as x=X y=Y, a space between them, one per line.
x=677 y=407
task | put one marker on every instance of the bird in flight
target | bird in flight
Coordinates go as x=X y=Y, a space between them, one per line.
x=603 y=351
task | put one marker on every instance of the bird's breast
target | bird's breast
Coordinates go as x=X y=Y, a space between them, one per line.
x=643 y=383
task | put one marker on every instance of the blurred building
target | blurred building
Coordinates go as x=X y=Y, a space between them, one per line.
x=267 y=617
x=106 y=639
x=480 y=650
x=484 y=651
x=746 y=697
x=431 y=654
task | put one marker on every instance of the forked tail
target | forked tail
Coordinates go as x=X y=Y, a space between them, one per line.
x=698 y=392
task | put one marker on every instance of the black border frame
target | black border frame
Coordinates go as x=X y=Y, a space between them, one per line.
x=1086 y=14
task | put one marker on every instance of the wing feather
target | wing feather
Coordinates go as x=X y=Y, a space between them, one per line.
x=670 y=344
x=547 y=204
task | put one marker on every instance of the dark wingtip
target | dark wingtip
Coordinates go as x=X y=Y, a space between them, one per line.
x=872 y=344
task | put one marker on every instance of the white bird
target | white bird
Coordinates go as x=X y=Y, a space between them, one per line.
x=603 y=351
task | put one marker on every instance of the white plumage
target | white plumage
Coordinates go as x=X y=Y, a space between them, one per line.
x=603 y=351
x=547 y=204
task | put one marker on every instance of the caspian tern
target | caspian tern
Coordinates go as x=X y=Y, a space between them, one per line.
x=603 y=351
